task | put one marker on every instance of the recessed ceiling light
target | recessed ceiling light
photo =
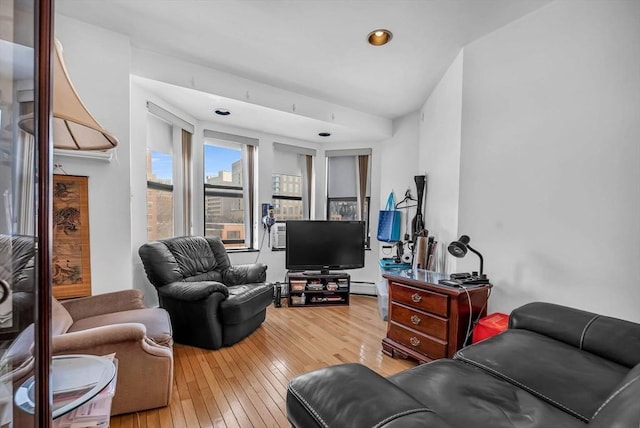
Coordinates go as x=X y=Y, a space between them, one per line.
x=223 y=112
x=379 y=37
x=324 y=134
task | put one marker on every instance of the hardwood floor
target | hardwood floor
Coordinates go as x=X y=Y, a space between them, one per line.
x=245 y=385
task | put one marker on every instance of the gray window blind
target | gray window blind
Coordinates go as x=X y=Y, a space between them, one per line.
x=341 y=177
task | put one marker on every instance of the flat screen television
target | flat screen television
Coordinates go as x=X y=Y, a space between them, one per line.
x=317 y=245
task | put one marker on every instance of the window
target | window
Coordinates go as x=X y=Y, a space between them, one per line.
x=349 y=186
x=228 y=189
x=286 y=201
x=159 y=195
x=168 y=174
x=291 y=182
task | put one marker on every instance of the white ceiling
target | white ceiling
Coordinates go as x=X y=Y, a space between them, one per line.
x=316 y=48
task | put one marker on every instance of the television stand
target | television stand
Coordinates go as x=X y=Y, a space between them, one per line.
x=318 y=288
x=316 y=273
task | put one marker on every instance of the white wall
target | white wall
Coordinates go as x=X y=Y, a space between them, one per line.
x=550 y=160
x=440 y=135
x=398 y=164
x=98 y=64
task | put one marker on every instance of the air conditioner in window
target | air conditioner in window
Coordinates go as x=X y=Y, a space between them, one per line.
x=279 y=235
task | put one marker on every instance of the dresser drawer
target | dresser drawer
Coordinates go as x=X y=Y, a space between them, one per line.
x=431 y=347
x=420 y=299
x=421 y=321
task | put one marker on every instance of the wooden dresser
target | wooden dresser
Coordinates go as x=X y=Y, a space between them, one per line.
x=426 y=320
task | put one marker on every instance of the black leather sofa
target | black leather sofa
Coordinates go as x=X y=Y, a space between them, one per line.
x=554 y=367
x=211 y=302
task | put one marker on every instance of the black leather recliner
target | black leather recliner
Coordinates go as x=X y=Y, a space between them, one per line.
x=211 y=303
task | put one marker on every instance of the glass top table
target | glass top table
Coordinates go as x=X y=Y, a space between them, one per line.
x=75 y=379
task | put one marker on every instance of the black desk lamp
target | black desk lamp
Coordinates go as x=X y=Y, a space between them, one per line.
x=459 y=249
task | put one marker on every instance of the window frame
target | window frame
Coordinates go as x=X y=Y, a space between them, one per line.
x=275 y=197
x=181 y=141
x=247 y=192
x=215 y=190
x=307 y=172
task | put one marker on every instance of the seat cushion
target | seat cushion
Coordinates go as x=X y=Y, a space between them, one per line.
x=447 y=386
x=245 y=301
x=156 y=321
x=575 y=381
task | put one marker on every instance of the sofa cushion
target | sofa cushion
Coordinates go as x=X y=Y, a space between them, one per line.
x=60 y=318
x=575 y=381
x=467 y=396
x=611 y=338
x=156 y=321
x=245 y=301
x=364 y=399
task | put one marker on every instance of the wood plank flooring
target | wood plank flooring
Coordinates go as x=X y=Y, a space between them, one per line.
x=245 y=385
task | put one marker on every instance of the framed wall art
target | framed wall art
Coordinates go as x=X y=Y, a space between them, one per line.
x=71 y=262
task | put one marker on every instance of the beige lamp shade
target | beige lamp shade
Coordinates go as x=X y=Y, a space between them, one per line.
x=74 y=128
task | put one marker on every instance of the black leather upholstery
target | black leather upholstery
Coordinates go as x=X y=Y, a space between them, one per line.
x=555 y=367
x=211 y=302
x=467 y=396
x=17 y=268
x=611 y=338
x=355 y=402
x=621 y=408
x=579 y=385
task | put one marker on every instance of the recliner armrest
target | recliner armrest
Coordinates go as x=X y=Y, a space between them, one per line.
x=245 y=274
x=192 y=291
x=355 y=396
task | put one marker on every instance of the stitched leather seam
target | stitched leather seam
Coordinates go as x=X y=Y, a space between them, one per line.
x=309 y=407
x=586 y=327
x=617 y=392
x=397 y=415
x=523 y=386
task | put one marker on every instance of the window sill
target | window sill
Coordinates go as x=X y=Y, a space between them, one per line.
x=242 y=250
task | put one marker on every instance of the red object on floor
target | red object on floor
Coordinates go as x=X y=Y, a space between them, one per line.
x=490 y=326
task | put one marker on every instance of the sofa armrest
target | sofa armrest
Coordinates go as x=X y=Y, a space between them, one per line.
x=100 y=304
x=98 y=339
x=98 y=336
x=245 y=274
x=145 y=368
x=608 y=337
x=353 y=395
x=192 y=291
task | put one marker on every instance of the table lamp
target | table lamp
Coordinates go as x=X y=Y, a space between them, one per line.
x=459 y=249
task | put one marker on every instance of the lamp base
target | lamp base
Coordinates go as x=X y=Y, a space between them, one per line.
x=466 y=279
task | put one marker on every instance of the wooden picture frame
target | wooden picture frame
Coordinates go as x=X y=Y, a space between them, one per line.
x=71 y=261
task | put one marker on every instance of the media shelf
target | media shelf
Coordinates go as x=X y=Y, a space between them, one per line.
x=318 y=289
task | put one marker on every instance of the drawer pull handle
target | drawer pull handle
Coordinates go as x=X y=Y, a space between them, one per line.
x=415 y=319
x=414 y=341
x=416 y=297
